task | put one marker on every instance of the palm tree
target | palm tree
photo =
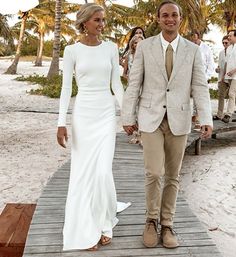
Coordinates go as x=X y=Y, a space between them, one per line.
x=42 y=21
x=5 y=31
x=13 y=67
x=54 y=67
x=229 y=9
x=5 y=34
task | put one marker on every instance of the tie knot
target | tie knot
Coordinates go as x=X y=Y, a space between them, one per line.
x=169 y=48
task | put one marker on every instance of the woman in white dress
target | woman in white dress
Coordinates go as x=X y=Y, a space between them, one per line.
x=90 y=212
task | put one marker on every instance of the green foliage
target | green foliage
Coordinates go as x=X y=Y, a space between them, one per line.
x=29 y=46
x=47 y=48
x=48 y=45
x=213 y=80
x=213 y=93
x=48 y=87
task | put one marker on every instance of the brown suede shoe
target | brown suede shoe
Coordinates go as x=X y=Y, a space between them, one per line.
x=151 y=236
x=168 y=236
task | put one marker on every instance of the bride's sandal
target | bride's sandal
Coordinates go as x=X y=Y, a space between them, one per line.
x=94 y=248
x=105 y=240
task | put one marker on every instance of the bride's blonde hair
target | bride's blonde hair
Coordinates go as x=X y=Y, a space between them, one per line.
x=85 y=12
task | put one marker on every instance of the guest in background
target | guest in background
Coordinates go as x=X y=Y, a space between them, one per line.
x=230 y=74
x=134 y=32
x=130 y=54
x=208 y=62
x=223 y=85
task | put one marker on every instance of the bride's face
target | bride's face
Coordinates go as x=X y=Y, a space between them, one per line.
x=95 y=24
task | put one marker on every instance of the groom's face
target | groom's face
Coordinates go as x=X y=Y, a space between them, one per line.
x=169 y=18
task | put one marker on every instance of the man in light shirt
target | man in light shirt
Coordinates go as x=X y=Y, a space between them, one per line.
x=208 y=62
x=230 y=75
x=166 y=70
x=223 y=85
x=207 y=56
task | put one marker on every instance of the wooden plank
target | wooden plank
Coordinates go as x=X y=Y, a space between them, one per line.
x=44 y=210
x=135 y=243
x=180 y=251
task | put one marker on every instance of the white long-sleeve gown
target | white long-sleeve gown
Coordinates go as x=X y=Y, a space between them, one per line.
x=91 y=201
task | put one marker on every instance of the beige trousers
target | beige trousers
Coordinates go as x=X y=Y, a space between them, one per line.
x=232 y=94
x=222 y=92
x=163 y=155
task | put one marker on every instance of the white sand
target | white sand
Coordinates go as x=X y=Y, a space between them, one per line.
x=29 y=155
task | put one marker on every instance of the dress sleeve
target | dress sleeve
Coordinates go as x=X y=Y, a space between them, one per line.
x=116 y=84
x=68 y=67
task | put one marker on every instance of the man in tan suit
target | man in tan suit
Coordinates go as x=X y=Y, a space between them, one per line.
x=166 y=71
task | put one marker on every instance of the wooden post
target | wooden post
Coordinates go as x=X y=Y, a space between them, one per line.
x=198 y=146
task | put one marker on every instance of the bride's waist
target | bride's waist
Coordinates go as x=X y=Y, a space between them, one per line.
x=94 y=93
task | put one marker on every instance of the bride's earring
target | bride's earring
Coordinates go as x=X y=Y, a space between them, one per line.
x=85 y=31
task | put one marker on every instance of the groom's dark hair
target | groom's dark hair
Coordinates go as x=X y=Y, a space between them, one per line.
x=168 y=2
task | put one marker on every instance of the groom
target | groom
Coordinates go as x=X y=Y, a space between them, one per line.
x=167 y=69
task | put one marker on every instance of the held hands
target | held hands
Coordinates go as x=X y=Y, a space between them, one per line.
x=130 y=129
x=206 y=131
x=62 y=136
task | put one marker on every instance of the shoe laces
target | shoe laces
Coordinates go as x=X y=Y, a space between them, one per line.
x=165 y=228
x=152 y=223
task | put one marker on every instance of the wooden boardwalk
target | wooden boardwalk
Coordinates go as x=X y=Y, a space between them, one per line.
x=45 y=234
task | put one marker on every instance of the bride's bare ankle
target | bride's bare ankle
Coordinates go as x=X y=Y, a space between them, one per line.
x=105 y=240
x=94 y=248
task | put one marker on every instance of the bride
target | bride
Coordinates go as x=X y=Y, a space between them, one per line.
x=91 y=205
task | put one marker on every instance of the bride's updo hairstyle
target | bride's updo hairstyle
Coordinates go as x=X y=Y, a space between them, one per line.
x=85 y=12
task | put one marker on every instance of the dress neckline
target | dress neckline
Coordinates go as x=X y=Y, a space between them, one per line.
x=90 y=46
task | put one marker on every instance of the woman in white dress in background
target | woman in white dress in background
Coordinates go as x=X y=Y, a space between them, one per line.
x=91 y=205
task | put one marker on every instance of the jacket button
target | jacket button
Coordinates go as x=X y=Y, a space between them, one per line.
x=168 y=90
x=164 y=106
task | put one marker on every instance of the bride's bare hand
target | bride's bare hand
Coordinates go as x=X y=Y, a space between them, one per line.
x=62 y=136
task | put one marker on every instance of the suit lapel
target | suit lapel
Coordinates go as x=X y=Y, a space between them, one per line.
x=179 y=58
x=157 y=53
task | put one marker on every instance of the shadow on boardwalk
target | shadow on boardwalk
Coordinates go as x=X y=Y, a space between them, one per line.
x=45 y=235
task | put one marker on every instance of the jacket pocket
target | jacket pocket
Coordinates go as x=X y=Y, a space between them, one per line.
x=145 y=100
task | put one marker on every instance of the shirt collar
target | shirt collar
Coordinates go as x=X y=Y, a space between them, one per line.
x=165 y=43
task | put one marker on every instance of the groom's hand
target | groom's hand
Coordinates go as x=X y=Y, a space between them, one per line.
x=130 y=129
x=206 y=131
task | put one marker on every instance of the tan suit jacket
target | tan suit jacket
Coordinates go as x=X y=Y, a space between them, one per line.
x=155 y=95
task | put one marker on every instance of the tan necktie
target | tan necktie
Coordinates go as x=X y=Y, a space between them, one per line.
x=169 y=60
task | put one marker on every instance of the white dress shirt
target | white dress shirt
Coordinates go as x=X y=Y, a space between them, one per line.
x=165 y=44
x=231 y=61
x=221 y=64
x=208 y=60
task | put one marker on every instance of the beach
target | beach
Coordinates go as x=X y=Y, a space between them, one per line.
x=29 y=155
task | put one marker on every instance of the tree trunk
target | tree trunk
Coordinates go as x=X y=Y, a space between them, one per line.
x=13 y=67
x=38 y=61
x=54 y=67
